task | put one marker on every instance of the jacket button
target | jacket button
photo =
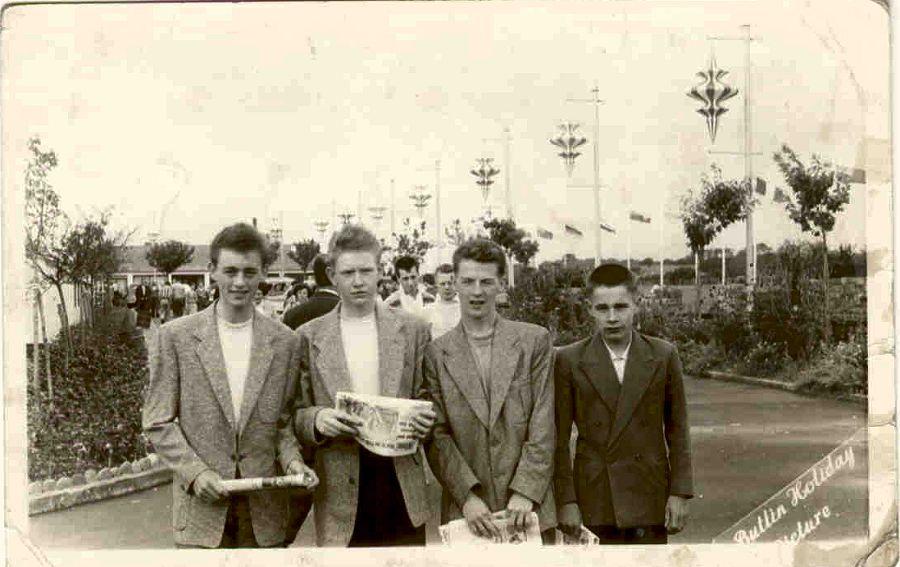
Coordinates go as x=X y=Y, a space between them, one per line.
x=638 y=458
x=352 y=481
x=233 y=458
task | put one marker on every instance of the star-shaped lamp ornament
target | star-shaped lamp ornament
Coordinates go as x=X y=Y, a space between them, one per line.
x=712 y=92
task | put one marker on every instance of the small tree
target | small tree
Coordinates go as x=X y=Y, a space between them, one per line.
x=526 y=250
x=819 y=193
x=45 y=229
x=512 y=240
x=168 y=256
x=704 y=214
x=455 y=233
x=303 y=252
x=412 y=241
x=93 y=253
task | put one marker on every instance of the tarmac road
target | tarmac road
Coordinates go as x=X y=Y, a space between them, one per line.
x=748 y=443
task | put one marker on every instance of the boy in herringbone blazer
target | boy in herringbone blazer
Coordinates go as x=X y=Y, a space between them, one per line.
x=221 y=382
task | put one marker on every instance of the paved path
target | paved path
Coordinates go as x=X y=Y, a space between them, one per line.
x=748 y=443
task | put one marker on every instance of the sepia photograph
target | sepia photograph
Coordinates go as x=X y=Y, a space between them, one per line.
x=636 y=256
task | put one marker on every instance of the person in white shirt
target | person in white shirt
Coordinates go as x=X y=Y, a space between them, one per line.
x=410 y=297
x=443 y=314
x=218 y=405
x=365 y=500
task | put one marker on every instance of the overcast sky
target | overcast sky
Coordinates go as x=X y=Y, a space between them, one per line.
x=234 y=111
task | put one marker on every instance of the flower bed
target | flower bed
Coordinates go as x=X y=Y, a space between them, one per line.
x=94 y=418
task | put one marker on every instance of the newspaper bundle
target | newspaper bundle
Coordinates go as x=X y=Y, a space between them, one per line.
x=457 y=532
x=386 y=429
x=252 y=484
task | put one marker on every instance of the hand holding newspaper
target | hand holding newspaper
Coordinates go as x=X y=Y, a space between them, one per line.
x=386 y=428
x=458 y=533
x=240 y=485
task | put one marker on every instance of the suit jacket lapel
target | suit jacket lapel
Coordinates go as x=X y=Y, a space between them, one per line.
x=504 y=362
x=209 y=349
x=391 y=351
x=460 y=366
x=330 y=358
x=639 y=371
x=600 y=372
x=261 y=354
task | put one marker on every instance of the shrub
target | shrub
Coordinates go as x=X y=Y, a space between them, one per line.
x=763 y=359
x=698 y=358
x=95 y=416
x=547 y=297
x=839 y=369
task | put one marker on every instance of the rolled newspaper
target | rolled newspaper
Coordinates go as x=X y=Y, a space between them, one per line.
x=239 y=485
x=386 y=429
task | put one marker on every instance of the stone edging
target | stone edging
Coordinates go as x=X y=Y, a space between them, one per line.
x=767 y=383
x=91 y=486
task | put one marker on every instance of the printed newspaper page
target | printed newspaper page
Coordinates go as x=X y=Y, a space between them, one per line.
x=386 y=428
x=458 y=533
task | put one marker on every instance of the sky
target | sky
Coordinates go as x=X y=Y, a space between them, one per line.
x=188 y=117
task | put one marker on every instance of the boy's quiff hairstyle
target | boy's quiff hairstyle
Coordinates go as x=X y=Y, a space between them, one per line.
x=353 y=238
x=480 y=250
x=240 y=237
x=405 y=263
x=444 y=269
x=612 y=275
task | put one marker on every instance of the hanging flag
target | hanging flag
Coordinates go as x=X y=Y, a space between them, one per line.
x=607 y=228
x=779 y=196
x=545 y=234
x=760 y=186
x=635 y=216
x=573 y=231
x=857 y=175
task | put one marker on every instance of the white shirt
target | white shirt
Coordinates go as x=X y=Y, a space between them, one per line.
x=414 y=305
x=443 y=315
x=236 y=339
x=360 y=337
x=619 y=361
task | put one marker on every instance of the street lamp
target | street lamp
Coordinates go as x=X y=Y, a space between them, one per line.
x=321 y=227
x=568 y=141
x=420 y=199
x=569 y=154
x=484 y=172
x=712 y=92
x=377 y=213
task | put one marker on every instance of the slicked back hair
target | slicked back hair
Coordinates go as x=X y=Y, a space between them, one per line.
x=240 y=237
x=320 y=270
x=353 y=238
x=480 y=250
x=612 y=275
x=405 y=263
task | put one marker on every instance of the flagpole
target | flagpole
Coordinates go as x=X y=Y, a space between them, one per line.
x=723 y=265
x=628 y=245
x=662 y=256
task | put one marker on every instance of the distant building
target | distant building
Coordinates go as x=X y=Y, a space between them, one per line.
x=135 y=268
